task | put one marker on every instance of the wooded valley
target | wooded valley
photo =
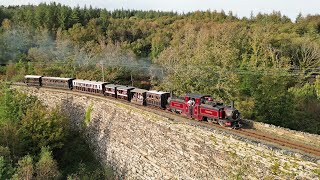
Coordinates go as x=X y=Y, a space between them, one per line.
x=266 y=63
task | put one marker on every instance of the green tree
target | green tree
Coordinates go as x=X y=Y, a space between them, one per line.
x=46 y=167
x=75 y=16
x=25 y=168
x=307 y=106
x=63 y=17
x=6 y=169
x=39 y=128
x=317 y=86
x=13 y=106
x=273 y=104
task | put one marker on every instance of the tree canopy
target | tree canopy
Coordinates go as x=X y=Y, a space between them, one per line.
x=267 y=63
x=37 y=143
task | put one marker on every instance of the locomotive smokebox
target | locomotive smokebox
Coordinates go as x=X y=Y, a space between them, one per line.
x=232 y=104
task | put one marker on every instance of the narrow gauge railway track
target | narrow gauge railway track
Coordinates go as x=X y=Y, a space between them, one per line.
x=247 y=133
x=282 y=142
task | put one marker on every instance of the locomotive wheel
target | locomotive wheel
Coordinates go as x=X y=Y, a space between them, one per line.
x=210 y=120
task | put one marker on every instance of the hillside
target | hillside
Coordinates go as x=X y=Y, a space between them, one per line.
x=266 y=63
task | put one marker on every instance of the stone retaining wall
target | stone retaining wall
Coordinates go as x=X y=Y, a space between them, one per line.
x=142 y=145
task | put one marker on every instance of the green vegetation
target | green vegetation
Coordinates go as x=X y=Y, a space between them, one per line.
x=38 y=144
x=213 y=139
x=87 y=116
x=266 y=63
x=275 y=168
x=317 y=171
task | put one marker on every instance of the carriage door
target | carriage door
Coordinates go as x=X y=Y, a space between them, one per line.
x=196 y=108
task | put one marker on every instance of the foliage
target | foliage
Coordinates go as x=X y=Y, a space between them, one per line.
x=307 y=106
x=87 y=116
x=13 y=104
x=273 y=103
x=317 y=86
x=205 y=52
x=40 y=128
x=46 y=167
x=83 y=173
x=77 y=160
x=6 y=169
x=28 y=129
x=25 y=168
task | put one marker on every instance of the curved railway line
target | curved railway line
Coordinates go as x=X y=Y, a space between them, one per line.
x=282 y=142
x=246 y=133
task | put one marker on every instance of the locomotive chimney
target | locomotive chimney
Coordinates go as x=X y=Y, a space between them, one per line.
x=232 y=104
x=171 y=93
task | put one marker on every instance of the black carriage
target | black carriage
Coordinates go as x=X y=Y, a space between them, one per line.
x=157 y=98
x=138 y=96
x=111 y=90
x=57 y=82
x=92 y=87
x=124 y=92
x=33 y=80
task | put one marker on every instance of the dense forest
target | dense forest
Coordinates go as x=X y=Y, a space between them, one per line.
x=37 y=144
x=266 y=63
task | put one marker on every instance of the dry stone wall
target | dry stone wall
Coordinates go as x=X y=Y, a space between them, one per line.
x=142 y=145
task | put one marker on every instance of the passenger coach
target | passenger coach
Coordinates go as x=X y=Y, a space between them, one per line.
x=138 y=96
x=124 y=92
x=58 y=82
x=111 y=90
x=157 y=98
x=32 y=80
x=94 y=87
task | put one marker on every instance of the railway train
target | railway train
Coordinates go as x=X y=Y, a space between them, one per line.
x=194 y=106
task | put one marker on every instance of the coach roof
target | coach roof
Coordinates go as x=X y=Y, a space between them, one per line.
x=58 y=78
x=32 y=76
x=125 y=87
x=112 y=85
x=137 y=90
x=157 y=92
x=89 y=82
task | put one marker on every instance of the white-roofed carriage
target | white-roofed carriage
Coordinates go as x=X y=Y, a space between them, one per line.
x=138 y=96
x=94 y=87
x=111 y=90
x=157 y=98
x=123 y=92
